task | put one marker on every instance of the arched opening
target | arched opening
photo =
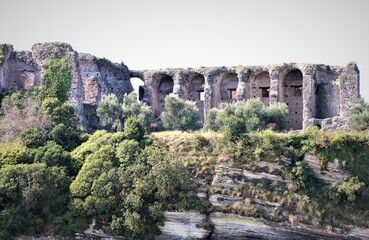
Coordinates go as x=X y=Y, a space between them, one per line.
x=260 y=87
x=228 y=90
x=194 y=91
x=165 y=88
x=138 y=86
x=292 y=95
x=327 y=93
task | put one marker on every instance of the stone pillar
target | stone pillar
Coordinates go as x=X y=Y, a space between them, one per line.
x=308 y=96
x=208 y=91
x=349 y=89
x=242 y=85
x=178 y=87
x=274 y=85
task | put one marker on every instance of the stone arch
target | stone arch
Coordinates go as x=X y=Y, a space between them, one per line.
x=260 y=87
x=163 y=86
x=292 y=95
x=195 y=91
x=138 y=86
x=225 y=88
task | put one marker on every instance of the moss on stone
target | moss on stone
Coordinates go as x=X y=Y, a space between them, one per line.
x=2 y=55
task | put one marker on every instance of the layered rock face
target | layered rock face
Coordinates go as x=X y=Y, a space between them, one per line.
x=92 y=78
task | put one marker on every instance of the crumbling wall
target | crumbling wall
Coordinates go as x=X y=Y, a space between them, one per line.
x=316 y=94
x=306 y=88
x=327 y=91
x=260 y=87
x=92 y=78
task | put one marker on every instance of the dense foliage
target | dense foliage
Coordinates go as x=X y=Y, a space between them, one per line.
x=359 y=117
x=180 y=114
x=126 y=183
x=2 y=55
x=56 y=80
x=113 y=114
x=246 y=116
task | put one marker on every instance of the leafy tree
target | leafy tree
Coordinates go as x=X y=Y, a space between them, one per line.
x=134 y=108
x=133 y=129
x=113 y=114
x=277 y=113
x=127 y=152
x=110 y=112
x=65 y=130
x=32 y=138
x=57 y=78
x=180 y=114
x=359 y=117
x=31 y=197
x=52 y=155
x=246 y=116
x=212 y=120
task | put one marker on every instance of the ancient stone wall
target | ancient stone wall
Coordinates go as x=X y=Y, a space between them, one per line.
x=92 y=78
x=316 y=95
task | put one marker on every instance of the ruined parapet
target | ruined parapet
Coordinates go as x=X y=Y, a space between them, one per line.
x=92 y=78
x=316 y=94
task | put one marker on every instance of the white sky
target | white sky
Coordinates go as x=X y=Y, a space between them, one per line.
x=150 y=34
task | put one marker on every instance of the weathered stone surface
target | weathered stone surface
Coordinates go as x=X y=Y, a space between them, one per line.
x=318 y=95
x=184 y=225
x=92 y=78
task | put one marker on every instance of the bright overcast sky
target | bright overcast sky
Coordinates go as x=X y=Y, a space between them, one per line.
x=149 y=34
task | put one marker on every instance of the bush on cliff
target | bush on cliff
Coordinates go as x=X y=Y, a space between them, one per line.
x=359 y=117
x=180 y=114
x=126 y=184
x=56 y=80
x=112 y=114
x=246 y=116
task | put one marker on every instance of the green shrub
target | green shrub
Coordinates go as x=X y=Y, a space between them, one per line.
x=112 y=114
x=180 y=114
x=246 y=116
x=133 y=129
x=359 y=117
x=56 y=80
x=350 y=188
x=32 y=196
x=127 y=151
x=2 y=55
x=32 y=138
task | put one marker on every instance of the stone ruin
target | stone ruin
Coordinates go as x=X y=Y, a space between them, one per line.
x=316 y=94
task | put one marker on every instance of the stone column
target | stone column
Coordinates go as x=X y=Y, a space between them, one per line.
x=308 y=96
x=178 y=87
x=274 y=85
x=349 y=89
x=242 y=85
x=208 y=91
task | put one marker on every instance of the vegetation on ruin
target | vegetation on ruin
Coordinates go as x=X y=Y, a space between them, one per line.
x=246 y=116
x=113 y=114
x=55 y=178
x=57 y=77
x=180 y=114
x=2 y=55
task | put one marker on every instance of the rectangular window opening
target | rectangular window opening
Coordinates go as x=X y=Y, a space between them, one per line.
x=232 y=93
x=265 y=92
x=201 y=95
x=297 y=91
